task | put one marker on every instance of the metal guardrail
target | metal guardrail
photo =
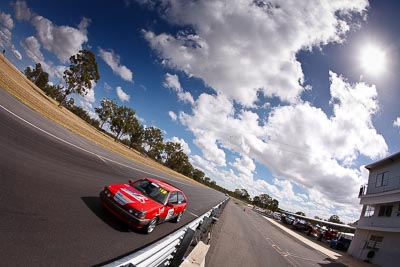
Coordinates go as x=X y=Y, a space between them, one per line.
x=162 y=252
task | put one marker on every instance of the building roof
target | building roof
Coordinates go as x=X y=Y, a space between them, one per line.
x=390 y=158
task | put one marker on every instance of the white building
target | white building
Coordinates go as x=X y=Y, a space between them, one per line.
x=378 y=229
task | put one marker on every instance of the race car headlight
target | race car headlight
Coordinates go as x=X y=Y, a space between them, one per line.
x=140 y=214
x=107 y=193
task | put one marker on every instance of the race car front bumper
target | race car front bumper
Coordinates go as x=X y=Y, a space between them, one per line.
x=121 y=213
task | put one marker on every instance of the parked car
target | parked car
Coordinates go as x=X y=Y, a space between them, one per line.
x=312 y=230
x=342 y=242
x=288 y=219
x=144 y=203
x=330 y=234
x=300 y=225
x=276 y=216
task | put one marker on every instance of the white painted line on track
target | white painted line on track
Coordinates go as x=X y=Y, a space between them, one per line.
x=197 y=216
x=103 y=160
x=302 y=258
x=312 y=244
x=85 y=150
x=287 y=253
x=283 y=253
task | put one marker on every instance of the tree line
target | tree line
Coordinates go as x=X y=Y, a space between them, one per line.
x=79 y=79
x=122 y=124
x=263 y=201
x=118 y=121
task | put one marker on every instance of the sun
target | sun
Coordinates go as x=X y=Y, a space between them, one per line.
x=373 y=59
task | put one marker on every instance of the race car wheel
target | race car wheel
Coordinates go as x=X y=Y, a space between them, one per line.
x=178 y=217
x=152 y=224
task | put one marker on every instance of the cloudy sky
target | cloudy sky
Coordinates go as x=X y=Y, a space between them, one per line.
x=288 y=98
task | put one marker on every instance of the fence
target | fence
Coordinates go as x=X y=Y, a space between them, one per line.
x=170 y=250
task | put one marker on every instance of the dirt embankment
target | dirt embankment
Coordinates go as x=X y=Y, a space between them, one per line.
x=15 y=82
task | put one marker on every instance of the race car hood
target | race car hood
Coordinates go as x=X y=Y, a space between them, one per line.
x=125 y=194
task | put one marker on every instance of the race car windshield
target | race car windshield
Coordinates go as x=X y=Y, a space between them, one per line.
x=151 y=190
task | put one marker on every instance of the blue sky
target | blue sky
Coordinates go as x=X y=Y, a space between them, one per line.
x=277 y=97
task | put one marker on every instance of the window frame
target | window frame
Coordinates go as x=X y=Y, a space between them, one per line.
x=173 y=194
x=369 y=211
x=398 y=209
x=382 y=179
x=374 y=242
x=385 y=210
x=182 y=200
x=151 y=190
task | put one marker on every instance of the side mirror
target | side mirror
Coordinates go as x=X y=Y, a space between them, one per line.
x=130 y=181
x=170 y=205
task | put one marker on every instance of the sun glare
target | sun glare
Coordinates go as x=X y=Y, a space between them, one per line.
x=373 y=59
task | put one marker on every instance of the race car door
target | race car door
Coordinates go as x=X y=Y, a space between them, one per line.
x=176 y=204
x=171 y=207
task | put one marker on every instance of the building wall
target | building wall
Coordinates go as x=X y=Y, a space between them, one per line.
x=378 y=198
x=393 y=183
x=382 y=221
x=388 y=253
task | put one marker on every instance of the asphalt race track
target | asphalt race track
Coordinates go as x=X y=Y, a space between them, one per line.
x=50 y=179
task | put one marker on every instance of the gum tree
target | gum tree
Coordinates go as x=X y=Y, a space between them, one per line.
x=82 y=73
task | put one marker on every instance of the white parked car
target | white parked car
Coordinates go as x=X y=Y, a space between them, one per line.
x=277 y=216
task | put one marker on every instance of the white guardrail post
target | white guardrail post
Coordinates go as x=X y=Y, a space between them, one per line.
x=161 y=253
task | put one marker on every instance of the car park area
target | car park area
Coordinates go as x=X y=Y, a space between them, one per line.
x=251 y=234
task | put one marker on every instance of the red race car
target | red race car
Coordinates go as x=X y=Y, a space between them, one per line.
x=144 y=203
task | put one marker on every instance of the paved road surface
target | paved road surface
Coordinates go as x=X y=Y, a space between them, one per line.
x=49 y=206
x=245 y=238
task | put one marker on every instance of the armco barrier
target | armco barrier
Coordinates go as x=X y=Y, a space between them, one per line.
x=162 y=252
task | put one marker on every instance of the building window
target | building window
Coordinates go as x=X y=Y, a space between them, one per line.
x=382 y=179
x=375 y=242
x=385 y=210
x=369 y=211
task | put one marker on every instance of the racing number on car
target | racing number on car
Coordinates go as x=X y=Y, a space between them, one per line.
x=169 y=214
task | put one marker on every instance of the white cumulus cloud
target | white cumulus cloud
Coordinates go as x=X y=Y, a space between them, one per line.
x=172 y=115
x=245 y=166
x=242 y=48
x=6 y=25
x=62 y=41
x=209 y=116
x=122 y=95
x=16 y=53
x=184 y=145
x=107 y=87
x=299 y=143
x=32 y=49
x=90 y=94
x=5 y=37
x=86 y=101
x=172 y=82
x=22 y=11
x=113 y=61
x=6 y=20
x=88 y=107
x=396 y=122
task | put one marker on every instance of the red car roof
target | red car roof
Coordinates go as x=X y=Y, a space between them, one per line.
x=163 y=184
